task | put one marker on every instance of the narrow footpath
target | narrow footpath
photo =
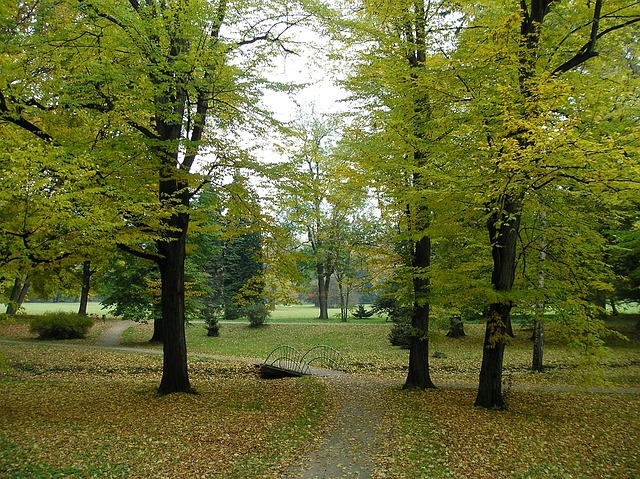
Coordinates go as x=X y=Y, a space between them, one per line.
x=111 y=337
x=349 y=447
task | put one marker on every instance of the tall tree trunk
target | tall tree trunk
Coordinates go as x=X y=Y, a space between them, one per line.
x=86 y=286
x=538 y=324
x=503 y=227
x=418 y=376
x=171 y=248
x=323 y=290
x=175 y=376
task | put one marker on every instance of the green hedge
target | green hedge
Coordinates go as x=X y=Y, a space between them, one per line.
x=60 y=325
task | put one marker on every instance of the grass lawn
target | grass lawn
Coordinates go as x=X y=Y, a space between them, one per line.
x=368 y=351
x=293 y=313
x=76 y=412
x=41 y=308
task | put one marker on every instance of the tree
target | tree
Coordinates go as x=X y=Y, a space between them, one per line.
x=503 y=93
x=401 y=161
x=130 y=287
x=229 y=249
x=623 y=254
x=535 y=140
x=355 y=255
x=320 y=201
x=167 y=87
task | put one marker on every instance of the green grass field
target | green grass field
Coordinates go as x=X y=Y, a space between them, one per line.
x=41 y=308
x=293 y=313
x=367 y=349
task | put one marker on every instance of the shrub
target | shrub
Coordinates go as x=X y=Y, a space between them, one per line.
x=362 y=313
x=389 y=305
x=60 y=325
x=213 y=327
x=257 y=314
x=400 y=334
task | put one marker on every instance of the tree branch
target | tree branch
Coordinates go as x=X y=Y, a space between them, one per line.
x=589 y=49
x=138 y=253
x=23 y=123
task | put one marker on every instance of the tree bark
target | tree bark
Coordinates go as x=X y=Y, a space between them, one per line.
x=86 y=286
x=490 y=386
x=323 y=290
x=175 y=376
x=503 y=227
x=18 y=294
x=418 y=376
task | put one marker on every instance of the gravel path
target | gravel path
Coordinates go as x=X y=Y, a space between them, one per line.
x=111 y=337
x=348 y=449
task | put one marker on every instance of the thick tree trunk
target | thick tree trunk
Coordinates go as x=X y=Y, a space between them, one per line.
x=503 y=227
x=171 y=248
x=490 y=386
x=86 y=286
x=175 y=376
x=419 y=376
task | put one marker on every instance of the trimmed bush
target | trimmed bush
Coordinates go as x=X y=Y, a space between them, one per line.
x=213 y=326
x=60 y=325
x=257 y=314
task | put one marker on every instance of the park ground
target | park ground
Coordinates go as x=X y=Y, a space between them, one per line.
x=76 y=409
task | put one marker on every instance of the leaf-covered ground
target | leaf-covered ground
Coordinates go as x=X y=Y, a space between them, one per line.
x=542 y=435
x=68 y=412
x=71 y=411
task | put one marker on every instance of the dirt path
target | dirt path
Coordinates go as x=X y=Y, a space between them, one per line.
x=111 y=337
x=348 y=449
